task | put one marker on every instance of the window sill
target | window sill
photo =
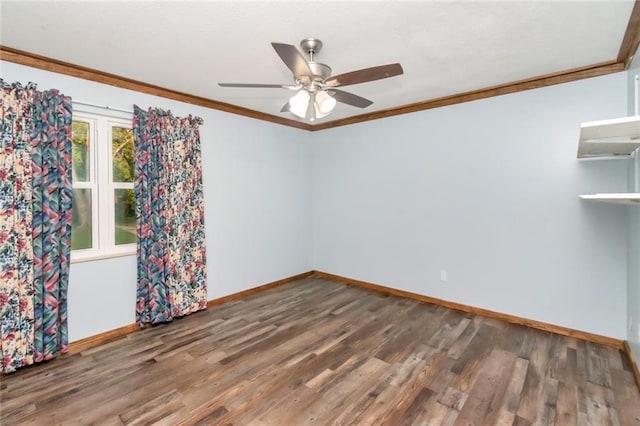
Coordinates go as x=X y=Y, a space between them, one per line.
x=90 y=257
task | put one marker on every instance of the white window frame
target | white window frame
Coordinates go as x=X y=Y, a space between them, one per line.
x=101 y=184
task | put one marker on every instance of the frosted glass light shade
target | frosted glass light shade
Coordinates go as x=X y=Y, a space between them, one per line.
x=324 y=104
x=299 y=102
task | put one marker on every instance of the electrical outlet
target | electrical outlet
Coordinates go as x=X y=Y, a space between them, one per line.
x=443 y=276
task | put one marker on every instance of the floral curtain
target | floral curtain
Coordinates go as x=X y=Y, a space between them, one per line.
x=170 y=216
x=35 y=223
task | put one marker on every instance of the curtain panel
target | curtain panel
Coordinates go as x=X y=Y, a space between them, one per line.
x=35 y=223
x=171 y=254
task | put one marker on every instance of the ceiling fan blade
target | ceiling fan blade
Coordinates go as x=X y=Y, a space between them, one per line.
x=349 y=98
x=293 y=59
x=365 y=75
x=263 y=86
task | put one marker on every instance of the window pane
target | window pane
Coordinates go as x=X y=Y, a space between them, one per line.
x=81 y=226
x=122 y=149
x=125 y=214
x=80 y=151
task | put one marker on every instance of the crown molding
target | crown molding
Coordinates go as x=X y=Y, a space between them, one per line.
x=48 y=64
x=504 y=89
x=631 y=39
x=36 y=61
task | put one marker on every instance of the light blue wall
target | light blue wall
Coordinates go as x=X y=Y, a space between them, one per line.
x=633 y=250
x=633 y=265
x=488 y=191
x=257 y=205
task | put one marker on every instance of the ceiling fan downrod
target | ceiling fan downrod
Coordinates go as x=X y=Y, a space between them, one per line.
x=311 y=46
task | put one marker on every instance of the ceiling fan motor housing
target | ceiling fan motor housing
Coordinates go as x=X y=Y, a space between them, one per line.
x=320 y=71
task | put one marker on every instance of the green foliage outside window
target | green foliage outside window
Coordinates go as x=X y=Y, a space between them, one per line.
x=122 y=148
x=125 y=206
x=81 y=222
x=80 y=151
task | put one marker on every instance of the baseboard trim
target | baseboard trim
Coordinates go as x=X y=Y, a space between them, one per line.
x=633 y=362
x=107 y=336
x=564 y=331
x=102 y=338
x=254 y=290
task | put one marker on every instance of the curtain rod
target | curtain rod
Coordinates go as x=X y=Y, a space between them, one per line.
x=102 y=106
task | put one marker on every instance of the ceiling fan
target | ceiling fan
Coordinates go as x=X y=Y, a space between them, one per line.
x=316 y=89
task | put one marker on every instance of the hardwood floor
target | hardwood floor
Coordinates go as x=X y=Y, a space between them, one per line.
x=318 y=352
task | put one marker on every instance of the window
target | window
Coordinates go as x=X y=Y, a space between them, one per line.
x=104 y=218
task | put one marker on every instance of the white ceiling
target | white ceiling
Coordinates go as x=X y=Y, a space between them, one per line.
x=445 y=47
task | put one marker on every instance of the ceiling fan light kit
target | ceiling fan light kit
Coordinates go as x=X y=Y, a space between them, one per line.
x=317 y=97
x=299 y=102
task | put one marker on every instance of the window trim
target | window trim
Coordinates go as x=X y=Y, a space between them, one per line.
x=101 y=181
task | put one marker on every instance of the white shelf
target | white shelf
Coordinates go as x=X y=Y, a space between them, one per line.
x=609 y=138
x=620 y=198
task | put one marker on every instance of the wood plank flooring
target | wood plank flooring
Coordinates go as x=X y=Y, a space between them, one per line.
x=318 y=352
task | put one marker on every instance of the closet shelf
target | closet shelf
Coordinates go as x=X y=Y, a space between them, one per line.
x=609 y=138
x=616 y=198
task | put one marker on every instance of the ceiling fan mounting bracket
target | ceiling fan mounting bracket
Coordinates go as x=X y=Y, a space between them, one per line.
x=311 y=46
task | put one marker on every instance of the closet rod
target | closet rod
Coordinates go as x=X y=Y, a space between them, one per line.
x=102 y=106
